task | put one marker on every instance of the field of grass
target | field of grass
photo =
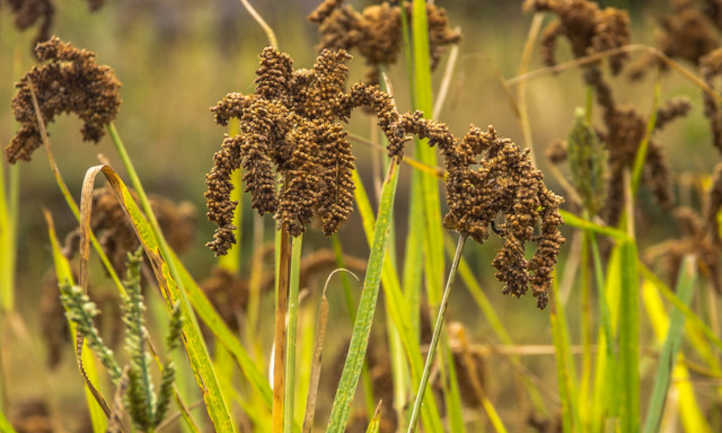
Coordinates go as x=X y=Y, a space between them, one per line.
x=386 y=271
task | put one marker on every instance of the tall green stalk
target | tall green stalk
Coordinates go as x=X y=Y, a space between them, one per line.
x=292 y=324
x=415 y=411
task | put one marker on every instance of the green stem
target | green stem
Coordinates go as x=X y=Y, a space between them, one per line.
x=435 y=337
x=290 y=390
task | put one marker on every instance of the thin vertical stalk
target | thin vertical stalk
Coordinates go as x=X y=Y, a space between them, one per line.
x=415 y=411
x=279 y=335
x=521 y=91
x=290 y=384
x=261 y=22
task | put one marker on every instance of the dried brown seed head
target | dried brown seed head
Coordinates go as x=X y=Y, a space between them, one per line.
x=292 y=127
x=376 y=31
x=588 y=28
x=70 y=81
x=29 y=12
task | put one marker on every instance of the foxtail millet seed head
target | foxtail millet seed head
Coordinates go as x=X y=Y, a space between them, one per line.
x=292 y=126
x=588 y=28
x=376 y=31
x=29 y=12
x=68 y=81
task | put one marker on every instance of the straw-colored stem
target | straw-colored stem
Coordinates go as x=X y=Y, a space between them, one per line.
x=261 y=22
x=292 y=325
x=438 y=324
x=279 y=336
x=686 y=73
x=521 y=89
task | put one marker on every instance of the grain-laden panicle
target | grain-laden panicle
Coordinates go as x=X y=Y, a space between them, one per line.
x=376 y=31
x=673 y=109
x=299 y=184
x=69 y=81
x=588 y=29
x=492 y=183
x=381 y=104
x=218 y=202
x=290 y=129
x=337 y=164
x=686 y=33
x=273 y=76
x=29 y=12
x=711 y=68
x=324 y=10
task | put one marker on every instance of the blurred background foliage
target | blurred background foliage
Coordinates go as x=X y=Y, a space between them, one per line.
x=176 y=58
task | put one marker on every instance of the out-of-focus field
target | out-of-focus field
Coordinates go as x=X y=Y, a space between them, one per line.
x=178 y=58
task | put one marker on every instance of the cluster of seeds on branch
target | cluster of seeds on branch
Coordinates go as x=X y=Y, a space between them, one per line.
x=591 y=30
x=29 y=12
x=377 y=31
x=69 y=81
x=588 y=29
x=492 y=184
x=699 y=238
x=116 y=235
x=292 y=128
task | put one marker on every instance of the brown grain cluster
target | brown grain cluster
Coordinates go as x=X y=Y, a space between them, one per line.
x=376 y=31
x=68 y=81
x=116 y=235
x=29 y=12
x=588 y=29
x=625 y=131
x=293 y=128
x=493 y=185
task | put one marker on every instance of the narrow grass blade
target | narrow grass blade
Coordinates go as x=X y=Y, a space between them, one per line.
x=200 y=360
x=292 y=325
x=667 y=358
x=397 y=310
x=86 y=360
x=690 y=413
x=375 y=423
x=438 y=325
x=629 y=351
x=8 y=233
x=225 y=335
x=581 y=223
x=423 y=91
x=693 y=319
x=5 y=426
x=565 y=368
x=367 y=307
